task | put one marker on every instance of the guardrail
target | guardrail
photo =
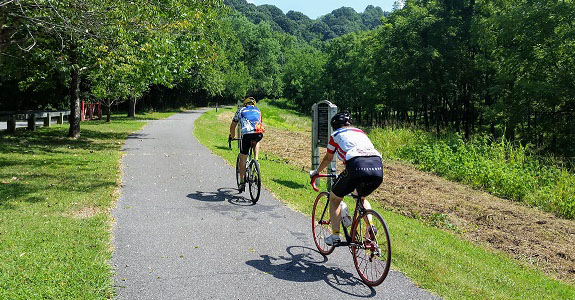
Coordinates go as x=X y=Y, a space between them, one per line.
x=10 y=117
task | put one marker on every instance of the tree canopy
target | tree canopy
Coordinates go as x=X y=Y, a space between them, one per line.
x=498 y=68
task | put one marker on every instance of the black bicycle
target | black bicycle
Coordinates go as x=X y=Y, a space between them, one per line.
x=252 y=177
x=367 y=238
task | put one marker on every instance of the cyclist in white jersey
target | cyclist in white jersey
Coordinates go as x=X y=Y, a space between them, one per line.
x=362 y=165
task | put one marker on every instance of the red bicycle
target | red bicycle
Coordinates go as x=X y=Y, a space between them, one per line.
x=367 y=237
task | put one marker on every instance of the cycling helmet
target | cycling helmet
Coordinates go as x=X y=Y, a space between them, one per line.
x=342 y=118
x=249 y=101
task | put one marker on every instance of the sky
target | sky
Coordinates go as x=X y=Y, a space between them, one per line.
x=317 y=8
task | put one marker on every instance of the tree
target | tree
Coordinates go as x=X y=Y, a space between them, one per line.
x=136 y=44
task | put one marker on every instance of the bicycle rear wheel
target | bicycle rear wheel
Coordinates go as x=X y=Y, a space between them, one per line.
x=372 y=250
x=238 y=171
x=321 y=227
x=254 y=180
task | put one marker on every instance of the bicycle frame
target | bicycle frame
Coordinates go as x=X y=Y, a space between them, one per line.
x=250 y=153
x=359 y=210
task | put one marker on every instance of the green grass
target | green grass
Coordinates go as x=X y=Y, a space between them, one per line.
x=55 y=198
x=498 y=167
x=276 y=117
x=436 y=260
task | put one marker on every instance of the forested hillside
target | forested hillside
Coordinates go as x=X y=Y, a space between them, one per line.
x=500 y=69
x=339 y=22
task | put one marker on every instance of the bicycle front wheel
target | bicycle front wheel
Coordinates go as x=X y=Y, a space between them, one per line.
x=371 y=248
x=320 y=219
x=255 y=180
x=238 y=171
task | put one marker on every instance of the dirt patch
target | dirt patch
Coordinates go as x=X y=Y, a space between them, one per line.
x=85 y=212
x=524 y=233
x=226 y=117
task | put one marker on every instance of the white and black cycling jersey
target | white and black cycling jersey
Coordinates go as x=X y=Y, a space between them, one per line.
x=350 y=142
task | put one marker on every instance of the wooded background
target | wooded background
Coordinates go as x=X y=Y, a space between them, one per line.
x=497 y=68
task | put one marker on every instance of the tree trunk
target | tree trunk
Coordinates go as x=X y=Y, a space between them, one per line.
x=132 y=108
x=467 y=111
x=425 y=115
x=437 y=123
x=75 y=112
x=109 y=113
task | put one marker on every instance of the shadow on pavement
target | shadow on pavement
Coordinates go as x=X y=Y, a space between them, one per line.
x=307 y=265
x=223 y=194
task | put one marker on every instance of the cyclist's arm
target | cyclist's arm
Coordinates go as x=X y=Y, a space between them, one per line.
x=328 y=157
x=233 y=129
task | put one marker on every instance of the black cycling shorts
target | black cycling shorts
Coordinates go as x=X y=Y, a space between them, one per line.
x=364 y=173
x=247 y=140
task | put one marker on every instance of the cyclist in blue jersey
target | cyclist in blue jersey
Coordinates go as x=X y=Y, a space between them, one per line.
x=252 y=130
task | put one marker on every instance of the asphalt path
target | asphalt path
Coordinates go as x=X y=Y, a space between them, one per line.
x=182 y=231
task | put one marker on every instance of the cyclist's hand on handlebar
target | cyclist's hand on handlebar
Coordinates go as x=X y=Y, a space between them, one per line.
x=313 y=173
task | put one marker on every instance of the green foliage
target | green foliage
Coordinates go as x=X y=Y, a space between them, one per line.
x=499 y=167
x=339 y=22
x=121 y=48
x=282 y=118
x=302 y=75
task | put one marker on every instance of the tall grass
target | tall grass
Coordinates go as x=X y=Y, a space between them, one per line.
x=499 y=167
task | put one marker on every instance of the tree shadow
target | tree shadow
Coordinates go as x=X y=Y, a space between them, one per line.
x=306 y=265
x=54 y=140
x=140 y=136
x=18 y=190
x=289 y=184
x=191 y=112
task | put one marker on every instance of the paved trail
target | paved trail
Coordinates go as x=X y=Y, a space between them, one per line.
x=183 y=232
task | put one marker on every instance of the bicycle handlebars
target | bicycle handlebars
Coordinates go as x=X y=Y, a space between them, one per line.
x=230 y=142
x=313 y=179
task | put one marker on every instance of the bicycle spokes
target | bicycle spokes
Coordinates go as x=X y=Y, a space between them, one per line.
x=372 y=248
x=321 y=223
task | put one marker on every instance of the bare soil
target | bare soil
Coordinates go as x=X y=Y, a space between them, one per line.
x=526 y=234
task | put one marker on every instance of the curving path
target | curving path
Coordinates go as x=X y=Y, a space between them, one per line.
x=183 y=232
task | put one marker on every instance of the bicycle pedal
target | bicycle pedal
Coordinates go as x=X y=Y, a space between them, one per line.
x=340 y=243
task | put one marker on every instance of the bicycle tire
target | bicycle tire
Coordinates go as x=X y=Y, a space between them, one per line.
x=372 y=257
x=320 y=221
x=255 y=180
x=238 y=171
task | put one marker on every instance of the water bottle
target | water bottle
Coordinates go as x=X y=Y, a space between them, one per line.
x=345 y=218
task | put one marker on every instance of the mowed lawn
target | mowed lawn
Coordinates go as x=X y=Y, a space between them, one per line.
x=56 y=195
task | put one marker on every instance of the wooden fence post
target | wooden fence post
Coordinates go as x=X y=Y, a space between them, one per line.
x=82 y=110
x=32 y=122
x=11 y=124
x=47 y=120
x=60 y=118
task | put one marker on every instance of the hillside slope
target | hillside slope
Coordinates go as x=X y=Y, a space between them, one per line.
x=339 y=22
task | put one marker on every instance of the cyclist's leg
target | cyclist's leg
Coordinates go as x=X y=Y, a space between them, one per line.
x=368 y=175
x=243 y=158
x=334 y=212
x=244 y=150
x=365 y=186
x=257 y=140
x=341 y=187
